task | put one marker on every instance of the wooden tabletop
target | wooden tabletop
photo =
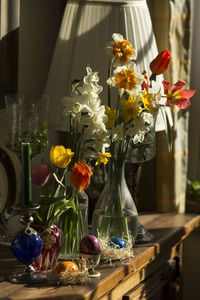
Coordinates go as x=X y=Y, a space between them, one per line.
x=168 y=230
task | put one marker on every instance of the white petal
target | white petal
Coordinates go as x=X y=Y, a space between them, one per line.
x=117 y=37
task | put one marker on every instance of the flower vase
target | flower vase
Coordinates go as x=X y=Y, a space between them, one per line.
x=51 y=239
x=137 y=155
x=115 y=214
x=77 y=229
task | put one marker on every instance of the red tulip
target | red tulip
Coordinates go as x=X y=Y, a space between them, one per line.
x=40 y=174
x=80 y=175
x=161 y=63
x=176 y=95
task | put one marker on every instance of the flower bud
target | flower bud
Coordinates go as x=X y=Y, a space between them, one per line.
x=161 y=63
x=40 y=174
x=80 y=175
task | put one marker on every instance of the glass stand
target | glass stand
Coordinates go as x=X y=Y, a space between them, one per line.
x=26 y=246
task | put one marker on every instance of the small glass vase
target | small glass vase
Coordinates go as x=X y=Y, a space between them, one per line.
x=71 y=240
x=26 y=121
x=115 y=214
x=51 y=239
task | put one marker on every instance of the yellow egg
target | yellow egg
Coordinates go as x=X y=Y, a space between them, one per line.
x=65 y=265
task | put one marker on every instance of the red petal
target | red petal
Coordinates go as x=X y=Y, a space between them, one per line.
x=178 y=85
x=183 y=104
x=187 y=93
x=166 y=85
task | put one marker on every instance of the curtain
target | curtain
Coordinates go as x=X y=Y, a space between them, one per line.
x=172 y=24
x=9 y=36
x=194 y=124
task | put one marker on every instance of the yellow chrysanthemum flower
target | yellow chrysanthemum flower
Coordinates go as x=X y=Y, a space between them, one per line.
x=111 y=114
x=126 y=79
x=147 y=100
x=123 y=50
x=102 y=158
x=130 y=109
x=60 y=156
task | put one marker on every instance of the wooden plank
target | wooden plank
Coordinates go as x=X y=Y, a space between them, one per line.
x=169 y=230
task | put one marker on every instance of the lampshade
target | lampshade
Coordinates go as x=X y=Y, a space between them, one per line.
x=86 y=27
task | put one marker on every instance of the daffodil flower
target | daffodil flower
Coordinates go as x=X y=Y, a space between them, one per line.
x=177 y=95
x=147 y=100
x=131 y=109
x=121 y=50
x=111 y=114
x=102 y=158
x=127 y=79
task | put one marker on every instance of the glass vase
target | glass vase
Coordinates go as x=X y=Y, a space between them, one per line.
x=51 y=239
x=146 y=150
x=115 y=214
x=26 y=121
x=77 y=230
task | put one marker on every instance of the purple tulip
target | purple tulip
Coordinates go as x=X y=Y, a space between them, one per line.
x=40 y=174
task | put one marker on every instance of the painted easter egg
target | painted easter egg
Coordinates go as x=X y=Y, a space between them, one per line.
x=90 y=245
x=26 y=245
x=118 y=242
x=65 y=266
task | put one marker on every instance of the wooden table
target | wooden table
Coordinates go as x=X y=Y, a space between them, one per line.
x=152 y=274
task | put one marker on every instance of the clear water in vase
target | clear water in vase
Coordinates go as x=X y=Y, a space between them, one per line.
x=131 y=221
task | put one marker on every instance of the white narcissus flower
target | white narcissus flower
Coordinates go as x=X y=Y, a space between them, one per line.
x=121 y=50
x=147 y=117
x=90 y=83
x=140 y=128
x=95 y=122
x=84 y=103
x=99 y=141
x=118 y=132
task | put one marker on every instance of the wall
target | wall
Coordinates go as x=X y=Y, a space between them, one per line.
x=39 y=25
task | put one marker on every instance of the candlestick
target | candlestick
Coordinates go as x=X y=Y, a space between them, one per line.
x=26 y=175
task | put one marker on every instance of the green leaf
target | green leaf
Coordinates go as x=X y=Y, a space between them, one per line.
x=168 y=128
x=65 y=208
x=69 y=219
x=50 y=200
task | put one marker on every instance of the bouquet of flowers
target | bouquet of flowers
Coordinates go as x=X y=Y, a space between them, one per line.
x=130 y=124
x=61 y=183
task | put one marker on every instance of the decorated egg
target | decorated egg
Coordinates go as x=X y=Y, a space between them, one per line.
x=26 y=245
x=65 y=266
x=90 y=245
x=118 y=242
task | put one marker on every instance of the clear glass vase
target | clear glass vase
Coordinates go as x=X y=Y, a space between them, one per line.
x=26 y=121
x=79 y=228
x=115 y=214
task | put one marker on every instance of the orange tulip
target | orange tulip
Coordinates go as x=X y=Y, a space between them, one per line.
x=80 y=175
x=161 y=63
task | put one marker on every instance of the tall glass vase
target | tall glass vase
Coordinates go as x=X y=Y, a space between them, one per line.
x=136 y=157
x=77 y=227
x=115 y=214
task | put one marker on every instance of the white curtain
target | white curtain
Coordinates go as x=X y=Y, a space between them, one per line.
x=194 y=123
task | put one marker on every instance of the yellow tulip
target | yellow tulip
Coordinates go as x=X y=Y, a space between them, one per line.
x=60 y=156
